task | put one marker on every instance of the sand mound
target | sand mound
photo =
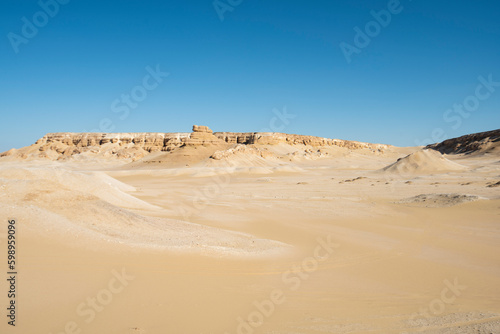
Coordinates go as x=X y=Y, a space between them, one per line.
x=240 y=150
x=439 y=200
x=243 y=156
x=188 y=155
x=93 y=206
x=423 y=161
x=35 y=181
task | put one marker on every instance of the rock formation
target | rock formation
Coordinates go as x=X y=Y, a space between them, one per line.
x=202 y=135
x=134 y=146
x=473 y=143
x=202 y=128
x=240 y=149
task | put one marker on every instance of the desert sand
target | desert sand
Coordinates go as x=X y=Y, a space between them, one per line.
x=252 y=233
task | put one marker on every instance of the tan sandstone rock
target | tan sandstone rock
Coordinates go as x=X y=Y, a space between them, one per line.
x=132 y=146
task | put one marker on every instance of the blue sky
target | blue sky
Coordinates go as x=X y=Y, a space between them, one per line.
x=231 y=74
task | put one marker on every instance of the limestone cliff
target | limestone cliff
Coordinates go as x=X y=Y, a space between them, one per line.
x=134 y=146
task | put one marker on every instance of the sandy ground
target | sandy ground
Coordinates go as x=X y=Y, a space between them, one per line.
x=330 y=245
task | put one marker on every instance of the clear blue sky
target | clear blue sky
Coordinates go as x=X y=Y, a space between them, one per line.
x=230 y=74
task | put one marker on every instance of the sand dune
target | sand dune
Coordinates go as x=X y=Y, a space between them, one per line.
x=94 y=206
x=423 y=161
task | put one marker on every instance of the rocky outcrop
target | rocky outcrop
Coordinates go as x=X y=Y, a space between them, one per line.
x=133 y=146
x=273 y=138
x=477 y=142
x=202 y=128
x=202 y=135
x=148 y=141
x=240 y=149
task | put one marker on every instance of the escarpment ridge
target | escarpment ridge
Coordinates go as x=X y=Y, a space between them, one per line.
x=134 y=146
x=482 y=142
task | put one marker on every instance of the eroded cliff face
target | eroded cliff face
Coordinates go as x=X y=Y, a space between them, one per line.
x=150 y=142
x=134 y=146
x=481 y=142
